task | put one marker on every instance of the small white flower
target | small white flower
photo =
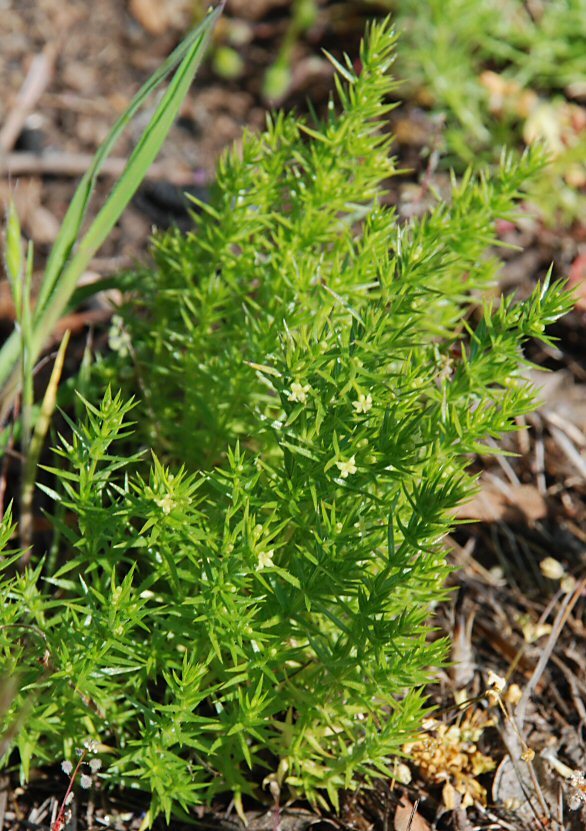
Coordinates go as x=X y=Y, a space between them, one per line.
x=298 y=392
x=265 y=559
x=166 y=503
x=363 y=404
x=348 y=467
x=66 y=767
x=95 y=765
x=85 y=781
x=91 y=745
x=118 y=338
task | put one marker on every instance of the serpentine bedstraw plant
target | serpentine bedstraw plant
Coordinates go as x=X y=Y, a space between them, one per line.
x=253 y=604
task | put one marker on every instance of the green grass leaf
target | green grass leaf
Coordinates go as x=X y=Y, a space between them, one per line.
x=69 y=256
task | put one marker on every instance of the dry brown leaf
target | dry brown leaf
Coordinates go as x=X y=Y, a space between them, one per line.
x=520 y=502
x=408 y=819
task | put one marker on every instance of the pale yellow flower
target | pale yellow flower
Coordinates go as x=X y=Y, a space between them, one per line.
x=298 y=392
x=348 y=467
x=363 y=404
x=265 y=559
x=166 y=503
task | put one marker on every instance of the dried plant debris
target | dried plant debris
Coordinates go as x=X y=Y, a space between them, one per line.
x=448 y=754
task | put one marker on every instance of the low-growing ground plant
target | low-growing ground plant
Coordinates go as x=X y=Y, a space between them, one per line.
x=250 y=604
x=505 y=73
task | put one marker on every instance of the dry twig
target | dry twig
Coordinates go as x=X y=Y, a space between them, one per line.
x=76 y=164
x=37 y=80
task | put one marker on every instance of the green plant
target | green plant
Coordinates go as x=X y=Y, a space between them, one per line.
x=19 y=273
x=253 y=604
x=505 y=73
x=73 y=250
x=279 y=75
x=227 y=61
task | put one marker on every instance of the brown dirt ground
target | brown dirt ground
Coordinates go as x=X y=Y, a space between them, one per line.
x=505 y=615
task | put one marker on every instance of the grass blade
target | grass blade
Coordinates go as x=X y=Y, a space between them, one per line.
x=34 y=451
x=61 y=250
x=63 y=269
